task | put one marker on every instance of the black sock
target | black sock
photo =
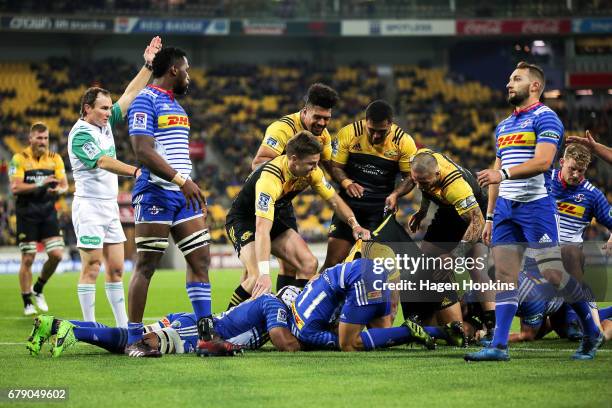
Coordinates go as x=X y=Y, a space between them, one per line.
x=300 y=283
x=27 y=299
x=55 y=326
x=239 y=296
x=488 y=319
x=283 y=280
x=39 y=285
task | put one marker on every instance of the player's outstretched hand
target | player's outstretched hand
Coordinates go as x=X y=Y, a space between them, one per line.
x=153 y=48
x=262 y=285
x=415 y=221
x=486 y=233
x=587 y=141
x=354 y=190
x=391 y=202
x=361 y=233
x=489 y=176
x=194 y=196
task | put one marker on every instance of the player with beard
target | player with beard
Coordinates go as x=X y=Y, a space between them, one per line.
x=166 y=200
x=521 y=212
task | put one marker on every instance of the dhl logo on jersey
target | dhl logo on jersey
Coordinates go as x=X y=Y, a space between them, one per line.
x=296 y=317
x=516 y=139
x=570 y=209
x=166 y=121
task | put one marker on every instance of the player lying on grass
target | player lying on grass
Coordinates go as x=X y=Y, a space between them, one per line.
x=353 y=289
x=539 y=310
x=247 y=326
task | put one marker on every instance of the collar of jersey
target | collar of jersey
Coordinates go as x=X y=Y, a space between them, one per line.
x=517 y=112
x=162 y=90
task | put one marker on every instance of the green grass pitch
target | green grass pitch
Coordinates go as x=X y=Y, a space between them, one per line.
x=539 y=374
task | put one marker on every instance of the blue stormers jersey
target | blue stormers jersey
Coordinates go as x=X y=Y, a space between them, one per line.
x=516 y=138
x=318 y=304
x=184 y=324
x=537 y=298
x=248 y=323
x=577 y=206
x=155 y=113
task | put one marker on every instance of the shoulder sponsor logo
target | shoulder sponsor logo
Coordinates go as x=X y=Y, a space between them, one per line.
x=468 y=202
x=271 y=142
x=573 y=210
x=516 y=139
x=166 y=121
x=391 y=153
x=90 y=240
x=281 y=316
x=263 y=202
x=550 y=134
x=334 y=146
x=91 y=150
x=326 y=184
x=140 y=121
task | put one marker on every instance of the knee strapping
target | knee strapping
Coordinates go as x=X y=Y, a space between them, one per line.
x=52 y=244
x=27 y=247
x=151 y=244
x=194 y=241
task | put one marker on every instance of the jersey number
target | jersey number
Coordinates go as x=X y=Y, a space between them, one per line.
x=315 y=301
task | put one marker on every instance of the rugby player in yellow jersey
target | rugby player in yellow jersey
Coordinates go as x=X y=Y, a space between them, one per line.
x=314 y=117
x=37 y=178
x=458 y=222
x=367 y=159
x=258 y=224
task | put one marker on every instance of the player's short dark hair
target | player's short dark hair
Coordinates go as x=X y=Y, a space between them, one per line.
x=165 y=59
x=303 y=144
x=90 y=95
x=423 y=162
x=534 y=71
x=38 y=127
x=379 y=111
x=322 y=95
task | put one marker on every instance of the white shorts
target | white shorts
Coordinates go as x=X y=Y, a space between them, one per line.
x=96 y=222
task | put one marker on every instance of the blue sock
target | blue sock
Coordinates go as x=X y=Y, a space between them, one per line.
x=570 y=315
x=583 y=310
x=605 y=313
x=506 y=304
x=381 y=338
x=436 y=331
x=199 y=295
x=112 y=339
x=135 y=332
x=80 y=323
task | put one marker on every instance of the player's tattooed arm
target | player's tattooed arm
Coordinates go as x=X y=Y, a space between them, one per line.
x=415 y=221
x=404 y=187
x=476 y=224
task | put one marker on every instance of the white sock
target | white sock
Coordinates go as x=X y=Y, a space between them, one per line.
x=116 y=298
x=87 y=298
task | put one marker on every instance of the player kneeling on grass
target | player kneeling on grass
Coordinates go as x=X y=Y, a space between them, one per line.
x=247 y=326
x=360 y=285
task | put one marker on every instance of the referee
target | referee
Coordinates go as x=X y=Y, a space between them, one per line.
x=37 y=178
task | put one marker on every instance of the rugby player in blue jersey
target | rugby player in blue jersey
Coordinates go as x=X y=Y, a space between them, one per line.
x=578 y=202
x=247 y=326
x=165 y=199
x=353 y=294
x=521 y=212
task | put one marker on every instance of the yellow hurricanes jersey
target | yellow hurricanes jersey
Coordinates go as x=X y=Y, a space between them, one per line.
x=279 y=133
x=25 y=167
x=453 y=188
x=374 y=167
x=272 y=185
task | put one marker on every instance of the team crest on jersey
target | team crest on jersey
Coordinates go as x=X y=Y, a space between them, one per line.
x=356 y=147
x=391 y=153
x=246 y=236
x=263 y=202
x=579 y=197
x=526 y=123
x=140 y=121
x=281 y=316
x=165 y=106
x=272 y=142
x=176 y=324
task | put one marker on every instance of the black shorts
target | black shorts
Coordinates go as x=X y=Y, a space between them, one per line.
x=369 y=218
x=241 y=230
x=37 y=229
x=446 y=229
